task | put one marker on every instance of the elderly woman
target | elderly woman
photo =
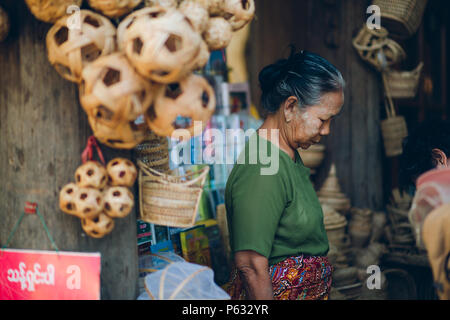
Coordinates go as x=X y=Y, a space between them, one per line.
x=275 y=221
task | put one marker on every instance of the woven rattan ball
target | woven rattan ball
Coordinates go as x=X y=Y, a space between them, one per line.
x=91 y=174
x=238 y=12
x=118 y=202
x=161 y=3
x=218 y=33
x=192 y=98
x=121 y=172
x=98 y=227
x=161 y=44
x=88 y=202
x=202 y=57
x=67 y=197
x=4 y=24
x=114 y=8
x=125 y=136
x=214 y=7
x=51 y=10
x=71 y=49
x=196 y=13
x=112 y=92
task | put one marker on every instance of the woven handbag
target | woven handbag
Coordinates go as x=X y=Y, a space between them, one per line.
x=170 y=200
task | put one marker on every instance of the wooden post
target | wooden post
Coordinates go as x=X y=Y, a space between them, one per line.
x=43 y=131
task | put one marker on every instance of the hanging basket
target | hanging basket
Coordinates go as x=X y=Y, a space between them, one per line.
x=154 y=152
x=170 y=200
x=393 y=130
x=374 y=47
x=401 y=17
x=404 y=84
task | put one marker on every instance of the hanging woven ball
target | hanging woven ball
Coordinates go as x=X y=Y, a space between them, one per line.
x=202 y=58
x=192 y=98
x=4 y=24
x=118 y=202
x=214 y=7
x=125 y=136
x=121 y=172
x=196 y=13
x=129 y=20
x=91 y=174
x=161 y=3
x=161 y=44
x=71 y=49
x=88 y=202
x=67 y=197
x=218 y=33
x=98 y=227
x=238 y=12
x=112 y=93
x=51 y=10
x=114 y=8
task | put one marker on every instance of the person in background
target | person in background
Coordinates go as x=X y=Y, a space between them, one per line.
x=425 y=148
x=275 y=221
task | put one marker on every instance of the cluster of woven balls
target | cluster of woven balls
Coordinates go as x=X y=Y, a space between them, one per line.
x=99 y=195
x=144 y=67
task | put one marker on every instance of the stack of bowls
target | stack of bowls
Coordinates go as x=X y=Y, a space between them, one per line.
x=335 y=225
x=360 y=227
x=330 y=193
x=313 y=156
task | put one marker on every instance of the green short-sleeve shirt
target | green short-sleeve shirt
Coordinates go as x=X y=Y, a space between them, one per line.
x=277 y=215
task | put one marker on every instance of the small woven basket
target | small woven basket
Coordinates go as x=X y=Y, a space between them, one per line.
x=401 y=17
x=404 y=84
x=374 y=47
x=170 y=200
x=154 y=152
x=393 y=130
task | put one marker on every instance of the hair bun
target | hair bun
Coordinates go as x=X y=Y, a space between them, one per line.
x=271 y=74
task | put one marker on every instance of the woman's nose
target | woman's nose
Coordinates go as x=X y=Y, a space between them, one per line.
x=325 y=130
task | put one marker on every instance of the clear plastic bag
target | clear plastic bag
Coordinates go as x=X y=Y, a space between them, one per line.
x=183 y=281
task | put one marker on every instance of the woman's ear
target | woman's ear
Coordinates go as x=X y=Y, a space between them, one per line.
x=439 y=157
x=289 y=108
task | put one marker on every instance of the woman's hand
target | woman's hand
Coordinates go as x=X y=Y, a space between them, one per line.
x=253 y=270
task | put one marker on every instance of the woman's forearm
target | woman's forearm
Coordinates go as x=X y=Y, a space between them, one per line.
x=253 y=270
x=257 y=283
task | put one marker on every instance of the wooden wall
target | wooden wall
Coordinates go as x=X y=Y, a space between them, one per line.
x=43 y=131
x=327 y=27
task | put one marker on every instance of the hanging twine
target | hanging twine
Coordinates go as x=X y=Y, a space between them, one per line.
x=87 y=154
x=30 y=208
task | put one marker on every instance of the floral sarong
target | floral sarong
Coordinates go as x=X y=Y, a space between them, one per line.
x=295 y=278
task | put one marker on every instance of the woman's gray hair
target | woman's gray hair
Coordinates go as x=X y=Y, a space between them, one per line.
x=305 y=75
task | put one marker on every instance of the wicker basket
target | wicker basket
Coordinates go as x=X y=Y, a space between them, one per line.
x=154 y=152
x=170 y=200
x=401 y=17
x=374 y=47
x=393 y=130
x=404 y=84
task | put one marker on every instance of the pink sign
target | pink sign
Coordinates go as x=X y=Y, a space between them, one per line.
x=47 y=275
